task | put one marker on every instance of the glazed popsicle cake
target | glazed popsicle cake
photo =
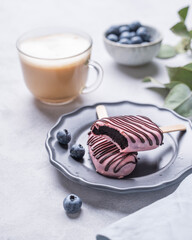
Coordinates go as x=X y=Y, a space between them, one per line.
x=129 y=133
x=108 y=159
x=113 y=142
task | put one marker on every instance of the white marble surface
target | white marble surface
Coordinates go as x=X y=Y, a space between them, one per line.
x=31 y=190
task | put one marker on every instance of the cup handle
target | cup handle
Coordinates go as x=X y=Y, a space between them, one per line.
x=97 y=67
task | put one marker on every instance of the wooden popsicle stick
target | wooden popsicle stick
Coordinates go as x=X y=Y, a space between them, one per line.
x=173 y=128
x=102 y=113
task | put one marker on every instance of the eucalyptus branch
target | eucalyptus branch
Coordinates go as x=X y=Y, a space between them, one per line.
x=180 y=29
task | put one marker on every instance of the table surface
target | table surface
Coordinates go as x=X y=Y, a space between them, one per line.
x=31 y=189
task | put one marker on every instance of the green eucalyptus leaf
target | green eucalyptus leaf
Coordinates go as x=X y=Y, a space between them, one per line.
x=180 y=29
x=183 y=13
x=147 y=79
x=180 y=100
x=177 y=95
x=183 y=45
x=180 y=74
x=186 y=108
x=190 y=34
x=151 y=79
x=172 y=84
x=162 y=91
x=166 y=51
x=188 y=67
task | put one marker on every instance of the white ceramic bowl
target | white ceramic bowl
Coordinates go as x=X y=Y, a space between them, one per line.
x=135 y=54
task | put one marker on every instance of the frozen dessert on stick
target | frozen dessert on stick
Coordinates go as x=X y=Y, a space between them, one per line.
x=108 y=159
x=114 y=141
x=129 y=133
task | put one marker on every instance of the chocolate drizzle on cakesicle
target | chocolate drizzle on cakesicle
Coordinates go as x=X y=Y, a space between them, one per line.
x=114 y=142
x=125 y=130
x=105 y=151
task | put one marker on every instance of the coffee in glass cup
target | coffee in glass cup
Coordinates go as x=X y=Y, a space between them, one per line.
x=55 y=64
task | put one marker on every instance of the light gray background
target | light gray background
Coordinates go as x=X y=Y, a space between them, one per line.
x=31 y=190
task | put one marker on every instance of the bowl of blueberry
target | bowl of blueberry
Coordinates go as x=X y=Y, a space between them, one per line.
x=132 y=44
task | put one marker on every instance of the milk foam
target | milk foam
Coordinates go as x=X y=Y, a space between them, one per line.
x=51 y=47
x=55 y=46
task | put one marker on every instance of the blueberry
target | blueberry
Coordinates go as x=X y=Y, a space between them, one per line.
x=124 y=41
x=135 y=25
x=64 y=137
x=112 y=37
x=136 y=40
x=142 y=32
x=77 y=151
x=124 y=28
x=127 y=35
x=72 y=204
x=113 y=30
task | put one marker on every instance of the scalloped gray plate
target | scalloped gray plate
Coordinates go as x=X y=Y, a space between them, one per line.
x=158 y=168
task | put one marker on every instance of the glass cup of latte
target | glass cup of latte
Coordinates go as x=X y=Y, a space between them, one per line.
x=55 y=64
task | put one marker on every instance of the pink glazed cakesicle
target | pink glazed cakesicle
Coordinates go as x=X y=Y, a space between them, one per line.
x=113 y=142
x=129 y=133
x=108 y=159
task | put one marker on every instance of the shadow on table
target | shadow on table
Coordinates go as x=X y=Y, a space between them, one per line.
x=124 y=203
x=140 y=72
x=149 y=69
x=53 y=112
